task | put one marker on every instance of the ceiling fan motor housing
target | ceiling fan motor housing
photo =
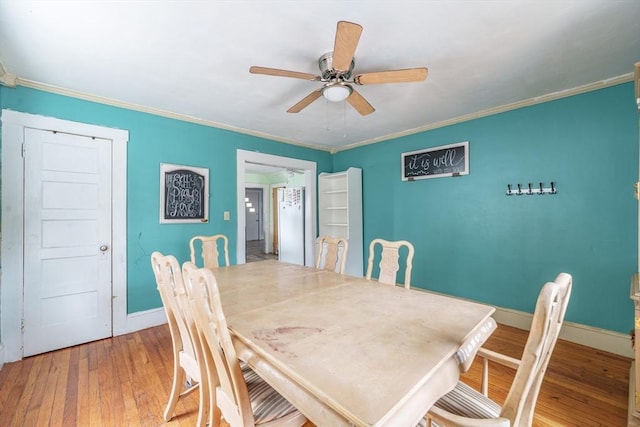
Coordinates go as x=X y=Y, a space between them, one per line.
x=327 y=71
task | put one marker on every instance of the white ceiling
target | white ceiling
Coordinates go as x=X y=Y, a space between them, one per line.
x=192 y=58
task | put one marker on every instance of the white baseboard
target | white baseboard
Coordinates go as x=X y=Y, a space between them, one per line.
x=145 y=319
x=601 y=339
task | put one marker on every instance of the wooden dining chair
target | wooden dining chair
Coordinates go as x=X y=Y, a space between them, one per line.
x=330 y=251
x=465 y=406
x=188 y=367
x=209 y=251
x=389 y=261
x=242 y=398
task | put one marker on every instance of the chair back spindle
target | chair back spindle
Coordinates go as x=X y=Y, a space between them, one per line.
x=389 y=261
x=332 y=253
x=209 y=250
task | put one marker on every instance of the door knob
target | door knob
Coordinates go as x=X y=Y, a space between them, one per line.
x=104 y=248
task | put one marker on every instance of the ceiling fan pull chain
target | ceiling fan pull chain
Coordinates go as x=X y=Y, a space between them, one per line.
x=344 y=120
x=326 y=105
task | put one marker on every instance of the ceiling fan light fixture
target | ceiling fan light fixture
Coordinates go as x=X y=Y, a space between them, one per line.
x=336 y=92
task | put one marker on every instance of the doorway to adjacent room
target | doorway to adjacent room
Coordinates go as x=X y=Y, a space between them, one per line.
x=246 y=158
x=255 y=214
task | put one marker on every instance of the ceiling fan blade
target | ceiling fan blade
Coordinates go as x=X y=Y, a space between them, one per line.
x=305 y=101
x=359 y=103
x=392 y=76
x=282 y=73
x=347 y=37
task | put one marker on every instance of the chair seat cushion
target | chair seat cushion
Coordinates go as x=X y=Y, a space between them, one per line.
x=468 y=402
x=266 y=403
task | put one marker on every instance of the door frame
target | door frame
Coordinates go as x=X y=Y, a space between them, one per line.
x=12 y=239
x=309 y=168
x=275 y=234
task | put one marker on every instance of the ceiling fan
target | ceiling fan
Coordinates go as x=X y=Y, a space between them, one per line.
x=336 y=73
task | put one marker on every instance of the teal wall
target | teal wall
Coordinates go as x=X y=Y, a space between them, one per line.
x=154 y=140
x=473 y=241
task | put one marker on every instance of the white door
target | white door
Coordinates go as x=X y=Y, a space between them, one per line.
x=254 y=214
x=67 y=237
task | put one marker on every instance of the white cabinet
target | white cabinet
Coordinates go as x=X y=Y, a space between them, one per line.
x=340 y=212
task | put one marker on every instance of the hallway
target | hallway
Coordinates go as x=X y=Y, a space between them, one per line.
x=255 y=251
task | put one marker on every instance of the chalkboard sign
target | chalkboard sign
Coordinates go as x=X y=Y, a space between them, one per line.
x=436 y=162
x=184 y=194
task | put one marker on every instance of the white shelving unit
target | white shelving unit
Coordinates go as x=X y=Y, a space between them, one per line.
x=340 y=212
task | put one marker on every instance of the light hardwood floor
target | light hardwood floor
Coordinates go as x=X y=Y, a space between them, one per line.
x=124 y=381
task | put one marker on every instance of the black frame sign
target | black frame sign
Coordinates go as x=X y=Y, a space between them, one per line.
x=436 y=162
x=184 y=194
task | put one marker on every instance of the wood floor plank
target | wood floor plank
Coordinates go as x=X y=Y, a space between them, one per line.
x=61 y=359
x=39 y=390
x=70 y=413
x=123 y=374
x=83 y=397
x=46 y=404
x=146 y=384
x=22 y=409
x=94 y=388
x=12 y=394
x=110 y=400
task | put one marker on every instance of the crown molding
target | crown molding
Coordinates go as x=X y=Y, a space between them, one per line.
x=11 y=80
x=155 y=111
x=7 y=79
x=501 y=109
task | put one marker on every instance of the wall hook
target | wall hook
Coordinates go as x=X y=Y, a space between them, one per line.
x=531 y=189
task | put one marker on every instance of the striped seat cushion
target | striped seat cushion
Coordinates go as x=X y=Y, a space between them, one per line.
x=466 y=402
x=267 y=404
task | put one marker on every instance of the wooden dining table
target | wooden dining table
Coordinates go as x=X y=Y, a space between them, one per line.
x=349 y=351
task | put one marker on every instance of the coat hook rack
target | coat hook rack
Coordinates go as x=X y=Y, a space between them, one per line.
x=532 y=189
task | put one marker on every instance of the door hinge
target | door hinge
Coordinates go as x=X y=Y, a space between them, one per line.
x=22 y=150
x=22 y=325
x=636 y=187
